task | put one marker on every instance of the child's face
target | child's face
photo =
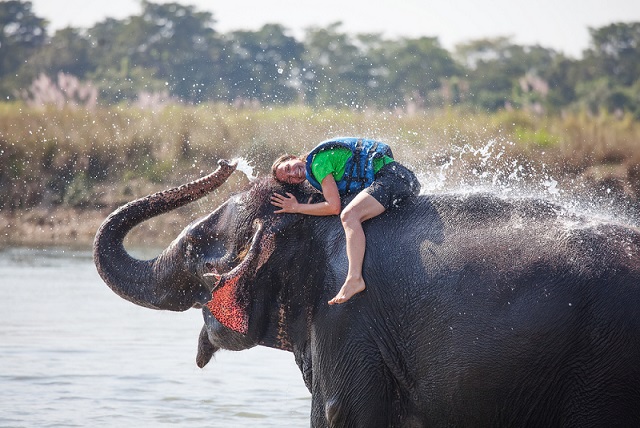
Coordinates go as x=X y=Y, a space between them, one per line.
x=291 y=171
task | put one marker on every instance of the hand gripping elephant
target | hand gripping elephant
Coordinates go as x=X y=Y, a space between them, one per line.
x=479 y=311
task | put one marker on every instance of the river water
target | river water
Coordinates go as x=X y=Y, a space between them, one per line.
x=72 y=353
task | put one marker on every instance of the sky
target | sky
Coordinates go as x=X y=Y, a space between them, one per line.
x=557 y=24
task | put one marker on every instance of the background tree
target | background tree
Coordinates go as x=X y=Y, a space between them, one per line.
x=504 y=74
x=167 y=43
x=172 y=51
x=176 y=40
x=336 y=73
x=67 y=51
x=418 y=68
x=114 y=45
x=612 y=68
x=562 y=75
x=264 y=65
x=21 y=34
x=614 y=52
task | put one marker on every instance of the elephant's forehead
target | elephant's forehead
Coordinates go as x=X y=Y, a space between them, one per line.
x=229 y=213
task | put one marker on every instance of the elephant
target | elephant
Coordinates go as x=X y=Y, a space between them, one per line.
x=480 y=309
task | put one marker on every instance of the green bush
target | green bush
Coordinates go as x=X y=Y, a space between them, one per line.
x=539 y=137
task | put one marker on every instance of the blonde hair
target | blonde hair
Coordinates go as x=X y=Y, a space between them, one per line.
x=278 y=161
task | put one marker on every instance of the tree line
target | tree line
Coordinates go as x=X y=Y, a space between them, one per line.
x=172 y=53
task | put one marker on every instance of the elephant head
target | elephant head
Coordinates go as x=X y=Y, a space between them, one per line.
x=218 y=263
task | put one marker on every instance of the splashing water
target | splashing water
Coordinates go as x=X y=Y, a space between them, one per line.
x=486 y=167
x=472 y=169
x=246 y=168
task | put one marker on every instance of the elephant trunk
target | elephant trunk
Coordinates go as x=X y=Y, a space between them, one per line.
x=161 y=283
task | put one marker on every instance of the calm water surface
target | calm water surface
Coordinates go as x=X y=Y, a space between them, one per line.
x=72 y=353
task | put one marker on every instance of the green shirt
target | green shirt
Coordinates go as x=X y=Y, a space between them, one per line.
x=333 y=161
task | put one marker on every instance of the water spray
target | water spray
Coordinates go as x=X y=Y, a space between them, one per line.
x=246 y=168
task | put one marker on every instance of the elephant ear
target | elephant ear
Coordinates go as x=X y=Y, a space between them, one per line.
x=230 y=299
x=229 y=306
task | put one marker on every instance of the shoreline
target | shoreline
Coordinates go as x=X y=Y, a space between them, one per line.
x=62 y=226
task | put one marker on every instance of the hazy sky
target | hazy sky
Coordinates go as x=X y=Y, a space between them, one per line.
x=558 y=24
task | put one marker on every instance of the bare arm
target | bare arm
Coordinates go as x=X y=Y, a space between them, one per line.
x=330 y=206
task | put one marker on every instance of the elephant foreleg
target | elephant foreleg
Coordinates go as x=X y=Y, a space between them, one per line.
x=353 y=394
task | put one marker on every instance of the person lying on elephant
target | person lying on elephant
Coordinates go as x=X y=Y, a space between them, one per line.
x=339 y=167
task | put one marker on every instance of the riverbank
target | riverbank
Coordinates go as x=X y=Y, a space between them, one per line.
x=48 y=224
x=71 y=227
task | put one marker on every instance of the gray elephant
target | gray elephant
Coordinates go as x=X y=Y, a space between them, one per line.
x=479 y=310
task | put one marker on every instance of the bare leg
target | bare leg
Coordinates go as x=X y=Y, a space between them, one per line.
x=361 y=208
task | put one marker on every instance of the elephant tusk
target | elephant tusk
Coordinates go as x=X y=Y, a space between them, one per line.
x=213 y=272
x=243 y=267
x=215 y=276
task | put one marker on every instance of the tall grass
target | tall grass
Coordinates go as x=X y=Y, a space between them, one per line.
x=70 y=156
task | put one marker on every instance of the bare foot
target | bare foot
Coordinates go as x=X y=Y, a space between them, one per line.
x=350 y=287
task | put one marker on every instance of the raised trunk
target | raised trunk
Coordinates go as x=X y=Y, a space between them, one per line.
x=161 y=283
